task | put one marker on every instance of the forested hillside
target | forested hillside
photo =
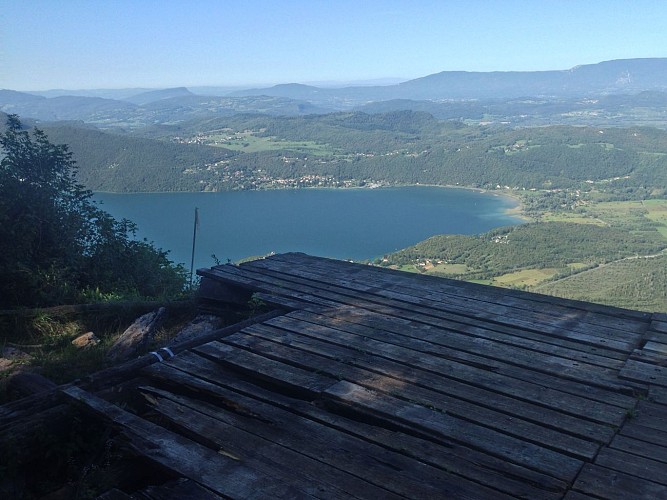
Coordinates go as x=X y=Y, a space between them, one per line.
x=561 y=173
x=400 y=147
x=613 y=253
x=109 y=162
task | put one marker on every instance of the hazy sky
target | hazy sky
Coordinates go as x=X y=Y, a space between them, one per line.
x=80 y=44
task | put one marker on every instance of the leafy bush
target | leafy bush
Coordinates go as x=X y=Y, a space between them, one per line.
x=56 y=245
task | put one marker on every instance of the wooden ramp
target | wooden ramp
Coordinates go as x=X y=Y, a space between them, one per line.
x=380 y=384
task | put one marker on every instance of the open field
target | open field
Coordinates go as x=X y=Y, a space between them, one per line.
x=248 y=142
x=571 y=217
x=437 y=269
x=633 y=215
x=525 y=277
x=639 y=283
x=657 y=212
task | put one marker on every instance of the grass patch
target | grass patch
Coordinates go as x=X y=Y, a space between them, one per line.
x=633 y=283
x=250 y=143
x=657 y=212
x=46 y=335
x=525 y=277
x=572 y=217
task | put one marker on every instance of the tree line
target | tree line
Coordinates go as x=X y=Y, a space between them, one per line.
x=56 y=245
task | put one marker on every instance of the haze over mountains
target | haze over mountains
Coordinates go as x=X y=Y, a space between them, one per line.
x=447 y=95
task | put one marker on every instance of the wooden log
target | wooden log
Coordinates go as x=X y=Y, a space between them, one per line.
x=137 y=335
x=26 y=383
x=217 y=472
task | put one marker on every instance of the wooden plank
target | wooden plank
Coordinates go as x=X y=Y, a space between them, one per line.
x=614 y=485
x=178 y=489
x=575 y=495
x=511 y=424
x=202 y=376
x=441 y=425
x=656 y=336
x=648 y=356
x=632 y=464
x=418 y=345
x=468 y=288
x=640 y=448
x=215 y=428
x=650 y=415
x=635 y=430
x=309 y=383
x=470 y=334
x=451 y=290
x=216 y=472
x=373 y=321
x=466 y=382
x=658 y=347
x=659 y=325
x=507 y=296
x=658 y=394
x=233 y=275
x=336 y=457
x=649 y=373
x=410 y=310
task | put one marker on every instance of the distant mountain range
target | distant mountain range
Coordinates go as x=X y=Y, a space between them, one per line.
x=595 y=91
x=610 y=77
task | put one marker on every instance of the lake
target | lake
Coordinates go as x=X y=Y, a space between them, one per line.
x=341 y=223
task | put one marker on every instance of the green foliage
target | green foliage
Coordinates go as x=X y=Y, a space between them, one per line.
x=55 y=243
x=535 y=245
x=636 y=283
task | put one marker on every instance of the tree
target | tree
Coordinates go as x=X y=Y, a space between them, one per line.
x=56 y=245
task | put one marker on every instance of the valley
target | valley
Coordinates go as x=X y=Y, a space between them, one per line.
x=588 y=162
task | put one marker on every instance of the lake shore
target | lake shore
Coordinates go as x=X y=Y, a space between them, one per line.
x=341 y=223
x=515 y=211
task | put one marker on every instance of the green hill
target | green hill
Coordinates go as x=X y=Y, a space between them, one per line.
x=635 y=283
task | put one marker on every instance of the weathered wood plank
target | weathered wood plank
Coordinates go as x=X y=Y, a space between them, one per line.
x=440 y=424
x=435 y=357
x=453 y=379
x=656 y=336
x=652 y=415
x=658 y=347
x=373 y=321
x=635 y=430
x=614 y=485
x=627 y=463
x=649 y=373
x=308 y=382
x=575 y=495
x=178 y=489
x=483 y=298
x=335 y=456
x=640 y=448
x=512 y=424
x=648 y=356
x=184 y=372
x=658 y=394
x=216 y=428
x=215 y=471
x=479 y=337
x=298 y=287
x=659 y=325
x=363 y=272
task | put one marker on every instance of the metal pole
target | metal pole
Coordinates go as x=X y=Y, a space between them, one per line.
x=194 y=241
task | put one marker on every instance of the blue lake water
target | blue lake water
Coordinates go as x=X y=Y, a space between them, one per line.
x=341 y=223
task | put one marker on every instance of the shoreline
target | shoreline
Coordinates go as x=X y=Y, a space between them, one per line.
x=515 y=211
